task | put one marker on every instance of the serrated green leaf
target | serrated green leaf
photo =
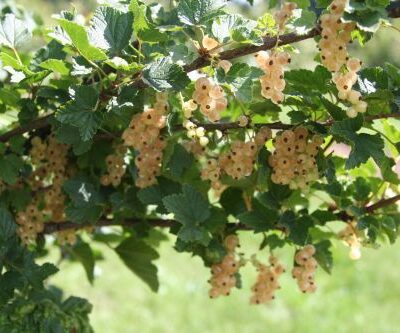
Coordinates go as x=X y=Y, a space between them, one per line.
x=190 y=209
x=164 y=74
x=86 y=202
x=240 y=77
x=111 y=29
x=306 y=81
x=81 y=111
x=197 y=12
x=138 y=256
x=13 y=32
x=80 y=40
x=364 y=146
x=145 y=30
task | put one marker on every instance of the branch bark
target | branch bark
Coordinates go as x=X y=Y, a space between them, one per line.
x=33 y=125
x=52 y=227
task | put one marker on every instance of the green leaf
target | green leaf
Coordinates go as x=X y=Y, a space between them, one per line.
x=164 y=74
x=259 y=218
x=179 y=161
x=10 y=166
x=240 y=77
x=81 y=111
x=367 y=18
x=144 y=29
x=8 y=227
x=197 y=12
x=13 y=32
x=306 y=81
x=86 y=202
x=138 y=256
x=81 y=251
x=190 y=209
x=336 y=112
x=80 y=40
x=8 y=60
x=364 y=146
x=111 y=29
x=153 y=195
x=232 y=201
x=298 y=227
x=305 y=22
x=56 y=65
x=236 y=28
x=324 y=256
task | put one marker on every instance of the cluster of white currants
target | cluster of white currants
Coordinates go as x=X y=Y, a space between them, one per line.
x=210 y=97
x=31 y=222
x=115 y=167
x=223 y=274
x=350 y=237
x=267 y=281
x=49 y=158
x=335 y=37
x=143 y=134
x=284 y=14
x=273 y=82
x=305 y=268
x=334 y=56
x=294 y=159
x=212 y=172
x=344 y=83
x=239 y=161
x=196 y=133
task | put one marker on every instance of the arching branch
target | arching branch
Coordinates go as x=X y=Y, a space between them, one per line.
x=53 y=227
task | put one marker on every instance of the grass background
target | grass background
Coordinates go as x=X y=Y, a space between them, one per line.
x=361 y=296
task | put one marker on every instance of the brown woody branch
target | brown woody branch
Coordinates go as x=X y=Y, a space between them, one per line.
x=382 y=203
x=33 y=125
x=53 y=227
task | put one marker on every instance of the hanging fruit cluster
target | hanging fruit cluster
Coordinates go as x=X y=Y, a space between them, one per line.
x=294 y=159
x=196 y=133
x=50 y=161
x=273 y=82
x=143 y=134
x=345 y=82
x=284 y=14
x=223 y=274
x=115 y=167
x=210 y=97
x=267 y=281
x=305 y=270
x=240 y=159
x=350 y=236
x=334 y=56
x=212 y=172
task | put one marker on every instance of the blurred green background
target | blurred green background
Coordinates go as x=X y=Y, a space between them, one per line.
x=361 y=296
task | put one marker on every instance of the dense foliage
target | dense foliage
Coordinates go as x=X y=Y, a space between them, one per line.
x=144 y=120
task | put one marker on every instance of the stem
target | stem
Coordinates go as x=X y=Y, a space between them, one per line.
x=17 y=56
